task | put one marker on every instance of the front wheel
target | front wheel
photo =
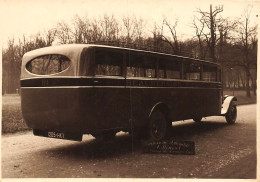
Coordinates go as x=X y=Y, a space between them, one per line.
x=231 y=115
x=159 y=126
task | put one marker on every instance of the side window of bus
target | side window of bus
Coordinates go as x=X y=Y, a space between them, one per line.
x=138 y=65
x=48 y=64
x=209 y=73
x=134 y=66
x=108 y=63
x=169 y=68
x=192 y=71
x=149 y=65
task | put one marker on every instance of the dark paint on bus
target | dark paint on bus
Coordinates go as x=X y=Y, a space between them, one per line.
x=95 y=108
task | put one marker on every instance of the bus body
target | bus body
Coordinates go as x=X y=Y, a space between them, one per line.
x=91 y=89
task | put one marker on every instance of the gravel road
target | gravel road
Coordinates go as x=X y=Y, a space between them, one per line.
x=222 y=151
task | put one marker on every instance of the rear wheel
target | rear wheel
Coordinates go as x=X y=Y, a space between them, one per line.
x=159 y=126
x=197 y=119
x=231 y=115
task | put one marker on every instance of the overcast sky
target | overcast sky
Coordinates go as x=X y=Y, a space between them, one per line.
x=31 y=16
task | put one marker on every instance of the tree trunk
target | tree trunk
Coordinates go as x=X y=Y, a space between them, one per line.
x=212 y=33
x=253 y=84
x=247 y=83
x=243 y=81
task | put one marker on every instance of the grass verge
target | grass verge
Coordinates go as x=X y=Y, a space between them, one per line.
x=12 y=119
x=242 y=99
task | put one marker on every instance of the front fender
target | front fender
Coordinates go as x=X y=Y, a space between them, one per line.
x=226 y=104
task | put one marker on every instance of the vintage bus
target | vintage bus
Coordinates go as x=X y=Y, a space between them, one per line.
x=76 y=89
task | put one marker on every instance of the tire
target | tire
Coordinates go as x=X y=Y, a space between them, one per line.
x=197 y=119
x=231 y=114
x=139 y=133
x=159 y=126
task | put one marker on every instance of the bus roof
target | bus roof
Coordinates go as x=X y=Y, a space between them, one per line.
x=159 y=53
x=56 y=49
x=66 y=48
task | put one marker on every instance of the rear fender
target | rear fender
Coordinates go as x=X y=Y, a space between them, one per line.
x=162 y=107
x=226 y=104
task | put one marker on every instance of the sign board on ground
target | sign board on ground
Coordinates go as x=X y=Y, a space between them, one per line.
x=170 y=147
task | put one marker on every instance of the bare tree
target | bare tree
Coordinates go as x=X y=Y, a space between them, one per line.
x=64 y=33
x=140 y=25
x=225 y=29
x=80 y=29
x=109 y=27
x=246 y=32
x=129 y=28
x=253 y=58
x=172 y=29
x=96 y=32
x=9 y=73
x=199 y=26
x=211 y=20
x=49 y=36
x=158 y=39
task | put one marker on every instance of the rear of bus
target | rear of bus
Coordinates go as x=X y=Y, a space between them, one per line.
x=49 y=94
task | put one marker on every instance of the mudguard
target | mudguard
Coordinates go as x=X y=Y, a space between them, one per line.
x=159 y=105
x=226 y=103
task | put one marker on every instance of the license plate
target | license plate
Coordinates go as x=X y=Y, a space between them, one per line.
x=53 y=134
x=58 y=135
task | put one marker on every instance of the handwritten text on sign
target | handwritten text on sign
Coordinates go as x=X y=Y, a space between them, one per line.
x=170 y=147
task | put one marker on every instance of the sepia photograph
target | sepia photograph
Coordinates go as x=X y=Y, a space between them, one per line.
x=129 y=89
